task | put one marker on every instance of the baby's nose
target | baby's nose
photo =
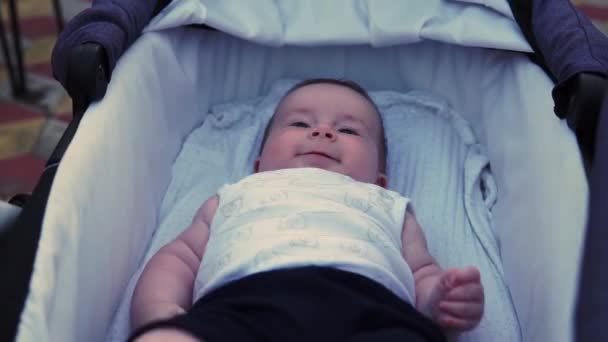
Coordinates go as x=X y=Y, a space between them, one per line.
x=322 y=132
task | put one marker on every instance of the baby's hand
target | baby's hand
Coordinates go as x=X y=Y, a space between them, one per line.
x=457 y=301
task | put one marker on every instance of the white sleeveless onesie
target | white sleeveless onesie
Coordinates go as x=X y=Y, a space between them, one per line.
x=301 y=217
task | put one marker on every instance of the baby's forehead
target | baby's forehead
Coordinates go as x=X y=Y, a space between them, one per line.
x=322 y=98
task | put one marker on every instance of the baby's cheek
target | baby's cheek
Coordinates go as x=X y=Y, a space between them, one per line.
x=363 y=165
x=369 y=156
x=272 y=156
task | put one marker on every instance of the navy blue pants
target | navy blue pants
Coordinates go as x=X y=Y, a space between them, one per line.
x=303 y=304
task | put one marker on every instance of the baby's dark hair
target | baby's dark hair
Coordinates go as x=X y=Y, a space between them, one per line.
x=344 y=83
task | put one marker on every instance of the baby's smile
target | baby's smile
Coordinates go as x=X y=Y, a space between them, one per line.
x=320 y=155
x=317 y=159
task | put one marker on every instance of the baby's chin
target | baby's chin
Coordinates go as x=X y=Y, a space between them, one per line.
x=307 y=165
x=314 y=167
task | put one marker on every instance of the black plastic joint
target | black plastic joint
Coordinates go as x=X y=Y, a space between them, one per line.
x=587 y=93
x=87 y=76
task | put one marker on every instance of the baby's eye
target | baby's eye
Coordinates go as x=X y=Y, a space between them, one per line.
x=299 y=124
x=348 y=131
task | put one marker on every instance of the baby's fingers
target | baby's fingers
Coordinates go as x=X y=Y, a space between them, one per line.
x=472 y=292
x=466 y=310
x=464 y=275
x=450 y=322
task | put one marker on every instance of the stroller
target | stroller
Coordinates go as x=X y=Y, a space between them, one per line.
x=68 y=257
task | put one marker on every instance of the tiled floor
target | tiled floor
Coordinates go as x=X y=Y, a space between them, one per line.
x=30 y=129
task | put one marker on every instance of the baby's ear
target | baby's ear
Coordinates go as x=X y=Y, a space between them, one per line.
x=382 y=180
x=256 y=165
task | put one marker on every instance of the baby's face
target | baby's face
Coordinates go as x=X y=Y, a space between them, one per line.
x=326 y=126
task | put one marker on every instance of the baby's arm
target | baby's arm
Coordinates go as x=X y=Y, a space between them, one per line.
x=164 y=289
x=453 y=298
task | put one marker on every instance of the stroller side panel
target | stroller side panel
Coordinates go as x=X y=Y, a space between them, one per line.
x=592 y=310
x=568 y=44
x=18 y=250
x=540 y=249
x=87 y=253
x=94 y=236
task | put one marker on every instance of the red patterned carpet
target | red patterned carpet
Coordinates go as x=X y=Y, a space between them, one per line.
x=29 y=129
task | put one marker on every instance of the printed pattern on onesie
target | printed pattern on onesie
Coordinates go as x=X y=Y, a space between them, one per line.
x=306 y=216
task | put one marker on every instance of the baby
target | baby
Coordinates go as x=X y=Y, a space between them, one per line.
x=311 y=247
